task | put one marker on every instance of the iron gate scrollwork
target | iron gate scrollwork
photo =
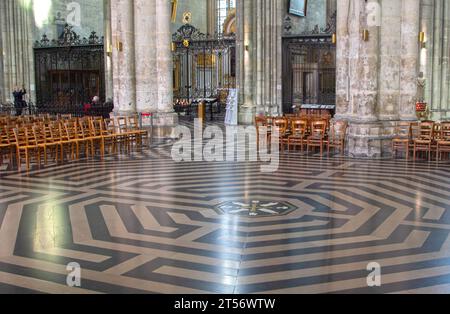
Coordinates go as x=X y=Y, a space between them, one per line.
x=204 y=65
x=69 y=70
x=309 y=68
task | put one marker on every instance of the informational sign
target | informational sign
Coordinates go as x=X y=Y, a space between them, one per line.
x=231 y=117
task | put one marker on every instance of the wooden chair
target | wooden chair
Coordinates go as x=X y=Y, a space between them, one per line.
x=338 y=134
x=127 y=137
x=96 y=135
x=44 y=141
x=73 y=138
x=402 y=139
x=424 y=142
x=299 y=133
x=58 y=134
x=261 y=122
x=26 y=146
x=281 y=124
x=5 y=145
x=109 y=134
x=318 y=136
x=443 y=143
x=142 y=135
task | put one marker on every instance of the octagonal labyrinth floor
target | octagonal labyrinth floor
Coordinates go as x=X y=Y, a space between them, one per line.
x=145 y=224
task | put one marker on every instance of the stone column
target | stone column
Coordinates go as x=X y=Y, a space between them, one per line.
x=16 y=58
x=367 y=98
x=436 y=48
x=409 y=58
x=260 y=54
x=342 y=60
x=390 y=63
x=361 y=64
x=211 y=16
x=109 y=86
x=2 y=54
x=124 y=80
x=245 y=51
x=426 y=55
x=165 y=120
x=146 y=69
x=445 y=79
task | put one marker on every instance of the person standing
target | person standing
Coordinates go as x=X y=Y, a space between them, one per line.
x=19 y=102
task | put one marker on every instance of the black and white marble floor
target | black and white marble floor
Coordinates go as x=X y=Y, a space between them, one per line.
x=145 y=224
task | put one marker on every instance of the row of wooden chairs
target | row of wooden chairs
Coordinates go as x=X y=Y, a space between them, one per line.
x=426 y=137
x=300 y=132
x=68 y=137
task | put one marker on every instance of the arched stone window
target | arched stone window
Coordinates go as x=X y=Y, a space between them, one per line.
x=224 y=7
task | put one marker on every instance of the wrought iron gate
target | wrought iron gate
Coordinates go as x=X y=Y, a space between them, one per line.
x=204 y=66
x=309 y=68
x=70 y=70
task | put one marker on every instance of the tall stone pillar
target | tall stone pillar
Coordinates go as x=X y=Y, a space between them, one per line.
x=409 y=59
x=211 y=16
x=245 y=52
x=124 y=80
x=16 y=55
x=166 y=118
x=259 y=50
x=109 y=85
x=361 y=61
x=390 y=63
x=146 y=69
x=426 y=54
x=445 y=69
x=342 y=59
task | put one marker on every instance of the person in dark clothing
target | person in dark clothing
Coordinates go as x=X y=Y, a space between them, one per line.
x=19 y=102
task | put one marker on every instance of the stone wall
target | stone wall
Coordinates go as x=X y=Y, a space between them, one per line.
x=316 y=15
x=199 y=11
x=91 y=18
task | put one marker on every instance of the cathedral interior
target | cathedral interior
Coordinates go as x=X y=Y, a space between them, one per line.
x=116 y=123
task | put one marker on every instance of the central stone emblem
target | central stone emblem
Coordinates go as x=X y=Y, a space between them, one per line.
x=256 y=208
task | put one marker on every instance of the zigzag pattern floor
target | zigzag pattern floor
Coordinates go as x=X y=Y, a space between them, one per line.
x=145 y=224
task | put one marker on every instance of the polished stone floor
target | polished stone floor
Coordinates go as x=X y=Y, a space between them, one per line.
x=145 y=224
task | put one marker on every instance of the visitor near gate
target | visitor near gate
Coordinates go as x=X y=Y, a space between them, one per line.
x=19 y=102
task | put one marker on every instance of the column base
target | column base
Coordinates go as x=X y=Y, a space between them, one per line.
x=164 y=124
x=247 y=115
x=371 y=140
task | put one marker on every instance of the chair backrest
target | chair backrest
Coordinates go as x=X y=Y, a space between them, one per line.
x=260 y=121
x=96 y=127
x=318 y=128
x=403 y=130
x=299 y=126
x=122 y=124
x=133 y=123
x=84 y=130
x=281 y=124
x=71 y=130
x=426 y=131
x=445 y=131
x=4 y=138
x=339 y=129
x=109 y=126
x=24 y=137
x=66 y=117
x=39 y=135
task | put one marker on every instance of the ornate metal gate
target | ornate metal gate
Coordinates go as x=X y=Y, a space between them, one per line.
x=204 y=66
x=309 y=68
x=69 y=71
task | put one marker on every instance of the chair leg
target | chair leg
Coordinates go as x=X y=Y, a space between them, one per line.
x=27 y=160
x=19 y=161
